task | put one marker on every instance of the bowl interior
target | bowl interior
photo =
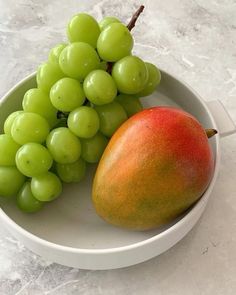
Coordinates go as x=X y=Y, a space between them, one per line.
x=71 y=219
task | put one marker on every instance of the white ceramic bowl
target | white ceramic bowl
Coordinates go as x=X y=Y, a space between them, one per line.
x=69 y=232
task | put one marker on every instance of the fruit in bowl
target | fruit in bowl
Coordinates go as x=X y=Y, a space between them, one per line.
x=85 y=91
x=156 y=165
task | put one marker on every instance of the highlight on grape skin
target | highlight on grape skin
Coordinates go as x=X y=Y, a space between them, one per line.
x=84 y=92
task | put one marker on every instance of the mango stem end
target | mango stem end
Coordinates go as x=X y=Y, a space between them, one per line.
x=210 y=132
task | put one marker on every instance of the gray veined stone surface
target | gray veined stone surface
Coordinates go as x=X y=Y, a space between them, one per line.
x=193 y=39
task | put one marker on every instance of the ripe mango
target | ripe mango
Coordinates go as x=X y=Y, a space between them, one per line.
x=156 y=165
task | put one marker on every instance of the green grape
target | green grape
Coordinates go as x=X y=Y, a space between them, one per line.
x=37 y=101
x=47 y=75
x=92 y=148
x=54 y=54
x=107 y=21
x=63 y=145
x=46 y=187
x=154 y=79
x=111 y=116
x=9 y=121
x=33 y=159
x=67 y=94
x=103 y=65
x=130 y=74
x=78 y=59
x=73 y=172
x=11 y=180
x=83 y=122
x=83 y=28
x=114 y=42
x=131 y=104
x=29 y=127
x=26 y=201
x=99 y=87
x=8 y=149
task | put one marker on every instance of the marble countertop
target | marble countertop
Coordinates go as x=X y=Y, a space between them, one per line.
x=195 y=40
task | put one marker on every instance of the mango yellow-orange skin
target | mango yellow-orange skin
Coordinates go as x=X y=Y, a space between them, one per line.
x=156 y=165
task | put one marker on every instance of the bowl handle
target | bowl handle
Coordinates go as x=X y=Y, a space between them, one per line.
x=224 y=122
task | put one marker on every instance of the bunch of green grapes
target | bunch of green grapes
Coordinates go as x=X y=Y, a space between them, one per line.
x=85 y=91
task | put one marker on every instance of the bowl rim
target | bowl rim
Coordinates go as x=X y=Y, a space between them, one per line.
x=185 y=219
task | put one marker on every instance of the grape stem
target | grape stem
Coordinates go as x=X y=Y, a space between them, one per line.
x=134 y=18
x=109 y=67
x=62 y=115
x=130 y=26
